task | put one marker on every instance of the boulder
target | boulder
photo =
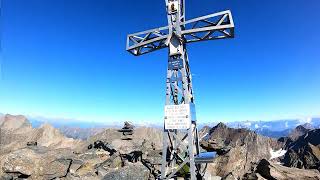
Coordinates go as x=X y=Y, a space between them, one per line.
x=272 y=171
x=37 y=163
x=133 y=171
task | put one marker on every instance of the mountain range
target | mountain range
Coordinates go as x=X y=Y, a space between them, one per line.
x=84 y=129
x=26 y=152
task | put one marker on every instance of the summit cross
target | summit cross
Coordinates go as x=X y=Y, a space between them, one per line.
x=180 y=153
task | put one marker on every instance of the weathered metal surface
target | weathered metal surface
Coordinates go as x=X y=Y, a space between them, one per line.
x=179 y=92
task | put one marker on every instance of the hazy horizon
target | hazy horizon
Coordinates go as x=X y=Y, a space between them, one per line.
x=68 y=60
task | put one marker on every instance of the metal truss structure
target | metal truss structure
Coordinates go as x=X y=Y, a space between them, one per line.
x=180 y=145
x=211 y=27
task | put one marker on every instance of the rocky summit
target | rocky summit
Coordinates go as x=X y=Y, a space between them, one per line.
x=299 y=131
x=237 y=149
x=304 y=152
x=135 y=153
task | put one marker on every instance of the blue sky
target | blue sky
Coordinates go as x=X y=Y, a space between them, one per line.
x=67 y=58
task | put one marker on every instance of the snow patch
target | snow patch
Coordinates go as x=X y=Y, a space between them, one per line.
x=247 y=124
x=286 y=124
x=275 y=154
x=204 y=136
x=266 y=126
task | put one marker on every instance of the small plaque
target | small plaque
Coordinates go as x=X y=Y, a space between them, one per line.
x=179 y=116
x=175 y=64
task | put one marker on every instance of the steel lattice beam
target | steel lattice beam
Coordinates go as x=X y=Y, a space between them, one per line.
x=211 y=27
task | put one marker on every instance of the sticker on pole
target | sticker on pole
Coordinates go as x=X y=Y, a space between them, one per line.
x=179 y=116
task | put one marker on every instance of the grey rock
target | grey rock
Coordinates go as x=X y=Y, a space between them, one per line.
x=58 y=168
x=269 y=170
x=6 y=177
x=304 y=152
x=37 y=164
x=299 y=131
x=237 y=149
x=75 y=165
x=136 y=171
x=229 y=176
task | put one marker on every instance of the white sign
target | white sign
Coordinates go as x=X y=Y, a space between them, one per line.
x=179 y=116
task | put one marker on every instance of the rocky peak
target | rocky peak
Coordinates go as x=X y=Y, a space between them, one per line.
x=204 y=132
x=304 y=152
x=312 y=137
x=221 y=125
x=12 y=122
x=304 y=127
x=47 y=133
x=1 y=119
x=50 y=130
x=230 y=136
x=49 y=136
x=205 y=129
x=307 y=126
x=300 y=130
x=237 y=149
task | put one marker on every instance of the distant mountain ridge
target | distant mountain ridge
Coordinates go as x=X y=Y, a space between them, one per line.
x=84 y=129
x=275 y=125
x=80 y=133
x=276 y=128
x=18 y=129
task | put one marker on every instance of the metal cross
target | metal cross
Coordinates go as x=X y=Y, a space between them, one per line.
x=180 y=136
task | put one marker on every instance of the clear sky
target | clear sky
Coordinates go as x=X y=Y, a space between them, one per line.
x=67 y=58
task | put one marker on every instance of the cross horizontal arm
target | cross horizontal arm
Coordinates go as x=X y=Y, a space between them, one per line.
x=214 y=26
x=147 y=41
x=211 y=27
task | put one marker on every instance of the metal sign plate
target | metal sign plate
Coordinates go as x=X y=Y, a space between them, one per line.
x=179 y=116
x=175 y=64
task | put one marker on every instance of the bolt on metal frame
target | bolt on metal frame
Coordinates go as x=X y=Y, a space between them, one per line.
x=180 y=147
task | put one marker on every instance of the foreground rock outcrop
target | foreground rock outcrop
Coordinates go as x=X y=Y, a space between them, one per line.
x=37 y=163
x=271 y=171
x=136 y=171
x=44 y=153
